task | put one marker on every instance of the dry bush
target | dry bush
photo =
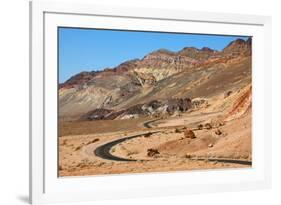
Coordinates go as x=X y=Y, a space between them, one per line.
x=200 y=127
x=177 y=130
x=208 y=126
x=152 y=152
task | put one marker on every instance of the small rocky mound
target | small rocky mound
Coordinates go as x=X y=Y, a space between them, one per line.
x=188 y=133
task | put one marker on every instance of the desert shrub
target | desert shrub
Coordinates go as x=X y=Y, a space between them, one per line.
x=200 y=127
x=208 y=126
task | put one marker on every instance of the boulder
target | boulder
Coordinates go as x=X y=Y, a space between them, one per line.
x=227 y=94
x=152 y=152
x=218 y=132
x=188 y=133
x=210 y=145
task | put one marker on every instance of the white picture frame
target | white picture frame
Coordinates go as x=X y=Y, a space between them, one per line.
x=46 y=187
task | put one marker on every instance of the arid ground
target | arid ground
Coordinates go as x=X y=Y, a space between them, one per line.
x=152 y=115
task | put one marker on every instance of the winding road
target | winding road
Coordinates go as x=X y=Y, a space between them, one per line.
x=103 y=151
x=147 y=123
x=233 y=161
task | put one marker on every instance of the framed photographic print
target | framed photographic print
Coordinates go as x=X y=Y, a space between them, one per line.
x=129 y=102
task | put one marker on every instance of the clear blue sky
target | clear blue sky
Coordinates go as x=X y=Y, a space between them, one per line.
x=91 y=49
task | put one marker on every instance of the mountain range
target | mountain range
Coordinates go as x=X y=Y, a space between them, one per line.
x=161 y=83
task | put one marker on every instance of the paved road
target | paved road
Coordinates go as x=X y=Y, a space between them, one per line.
x=233 y=161
x=103 y=151
x=147 y=123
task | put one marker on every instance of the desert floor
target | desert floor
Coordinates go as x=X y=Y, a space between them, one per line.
x=154 y=144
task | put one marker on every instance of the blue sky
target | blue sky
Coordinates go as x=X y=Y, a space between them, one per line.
x=91 y=49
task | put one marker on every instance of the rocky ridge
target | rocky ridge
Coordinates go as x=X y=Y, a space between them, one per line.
x=162 y=76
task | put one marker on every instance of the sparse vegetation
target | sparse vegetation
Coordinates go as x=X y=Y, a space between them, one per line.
x=177 y=130
x=208 y=126
x=200 y=127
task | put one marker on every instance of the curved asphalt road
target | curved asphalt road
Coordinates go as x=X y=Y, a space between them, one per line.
x=103 y=151
x=233 y=161
x=147 y=123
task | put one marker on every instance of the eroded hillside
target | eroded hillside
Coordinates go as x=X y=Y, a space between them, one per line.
x=161 y=75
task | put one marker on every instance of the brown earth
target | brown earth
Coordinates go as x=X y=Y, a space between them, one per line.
x=176 y=153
